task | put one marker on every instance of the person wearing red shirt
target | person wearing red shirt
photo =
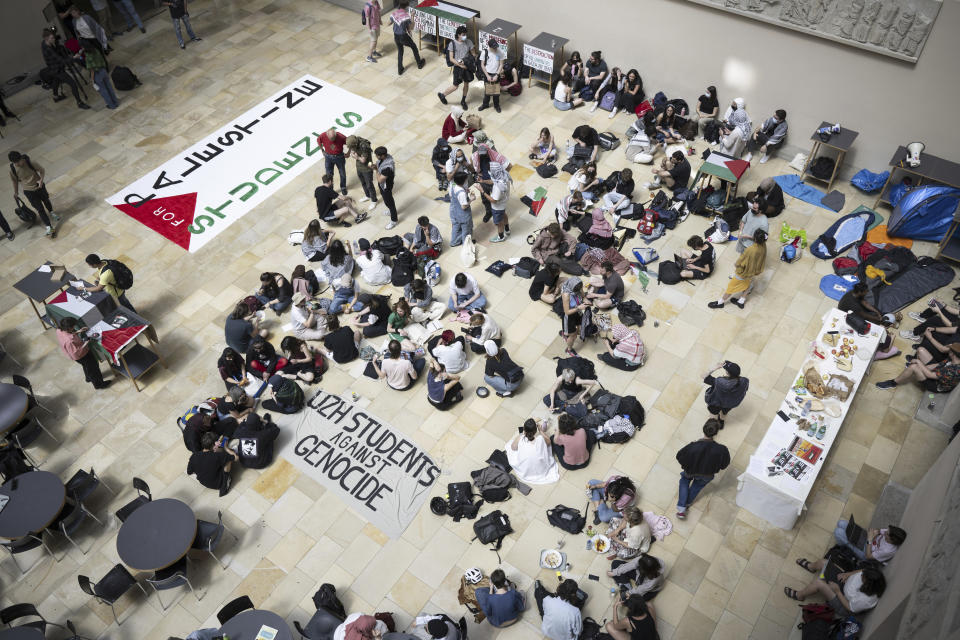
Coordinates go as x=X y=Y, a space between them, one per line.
x=78 y=349
x=332 y=144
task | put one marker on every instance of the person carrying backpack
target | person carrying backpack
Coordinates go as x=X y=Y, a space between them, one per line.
x=371 y=16
x=402 y=27
x=113 y=277
x=29 y=175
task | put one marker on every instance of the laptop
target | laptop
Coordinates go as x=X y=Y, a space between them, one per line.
x=856 y=535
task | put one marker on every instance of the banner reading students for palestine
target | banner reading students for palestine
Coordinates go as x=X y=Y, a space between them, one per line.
x=197 y=194
x=378 y=472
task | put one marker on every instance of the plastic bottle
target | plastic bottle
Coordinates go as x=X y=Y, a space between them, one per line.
x=932 y=404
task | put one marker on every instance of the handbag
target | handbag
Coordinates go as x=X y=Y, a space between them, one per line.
x=491 y=88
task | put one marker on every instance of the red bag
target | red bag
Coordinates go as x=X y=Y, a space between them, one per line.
x=811 y=612
x=845 y=266
x=865 y=249
x=648 y=222
x=642 y=108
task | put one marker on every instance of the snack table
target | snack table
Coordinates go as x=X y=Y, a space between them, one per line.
x=779 y=497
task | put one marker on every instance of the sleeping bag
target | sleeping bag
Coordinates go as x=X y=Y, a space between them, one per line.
x=843 y=234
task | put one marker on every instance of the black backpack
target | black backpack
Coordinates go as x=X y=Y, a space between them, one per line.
x=460 y=501
x=567 y=518
x=583 y=367
x=547 y=170
x=631 y=407
x=404 y=268
x=822 y=168
x=734 y=211
x=326 y=598
x=668 y=273
x=668 y=216
x=121 y=274
x=495 y=494
x=634 y=212
x=608 y=141
x=631 y=313
x=492 y=529
x=389 y=245
x=711 y=131
x=527 y=267
x=660 y=201
x=124 y=79
x=590 y=629
x=25 y=213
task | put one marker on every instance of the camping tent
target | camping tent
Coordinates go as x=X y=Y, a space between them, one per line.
x=924 y=213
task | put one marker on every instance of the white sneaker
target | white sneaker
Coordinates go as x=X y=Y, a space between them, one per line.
x=390 y=225
x=373 y=205
x=594 y=107
x=385 y=212
x=648 y=185
x=764 y=158
x=612 y=113
x=906 y=334
x=498 y=239
x=748 y=157
x=364 y=199
x=916 y=316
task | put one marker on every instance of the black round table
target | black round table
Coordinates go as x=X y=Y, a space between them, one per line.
x=13 y=406
x=246 y=624
x=156 y=535
x=34 y=504
x=21 y=633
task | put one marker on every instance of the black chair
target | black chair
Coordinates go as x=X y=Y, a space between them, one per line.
x=26 y=543
x=137 y=502
x=4 y=353
x=170 y=578
x=13 y=461
x=25 y=610
x=110 y=587
x=23 y=383
x=234 y=607
x=209 y=535
x=82 y=484
x=69 y=522
x=26 y=433
x=73 y=630
x=321 y=626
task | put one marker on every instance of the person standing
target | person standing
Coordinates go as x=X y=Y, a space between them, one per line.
x=31 y=176
x=386 y=172
x=178 y=12
x=361 y=149
x=99 y=77
x=332 y=143
x=102 y=10
x=725 y=392
x=461 y=217
x=402 y=27
x=89 y=33
x=491 y=64
x=458 y=51
x=498 y=197
x=78 y=350
x=130 y=15
x=107 y=280
x=372 y=17
x=700 y=461
x=57 y=60
x=5 y=227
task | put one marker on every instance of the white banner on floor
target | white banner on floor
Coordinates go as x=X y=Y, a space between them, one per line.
x=378 y=472
x=194 y=196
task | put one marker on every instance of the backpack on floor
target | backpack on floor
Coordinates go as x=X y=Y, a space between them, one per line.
x=816 y=629
x=492 y=529
x=567 y=518
x=668 y=272
x=584 y=368
x=326 y=598
x=460 y=501
x=670 y=217
x=608 y=141
x=617 y=430
x=547 y=170
x=633 y=212
x=631 y=407
x=822 y=168
x=590 y=629
x=659 y=100
x=289 y=395
x=431 y=273
x=124 y=79
x=631 y=313
x=389 y=245
x=121 y=274
x=608 y=101
x=526 y=267
x=404 y=268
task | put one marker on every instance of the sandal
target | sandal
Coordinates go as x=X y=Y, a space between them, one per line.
x=803 y=562
x=792 y=594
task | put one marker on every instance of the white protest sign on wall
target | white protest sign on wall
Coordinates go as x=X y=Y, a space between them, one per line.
x=538 y=59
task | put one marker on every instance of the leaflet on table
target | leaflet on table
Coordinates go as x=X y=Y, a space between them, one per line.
x=266 y=633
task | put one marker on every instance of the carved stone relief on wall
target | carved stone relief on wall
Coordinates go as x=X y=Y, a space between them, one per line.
x=895 y=28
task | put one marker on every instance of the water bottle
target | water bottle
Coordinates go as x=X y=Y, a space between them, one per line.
x=932 y=404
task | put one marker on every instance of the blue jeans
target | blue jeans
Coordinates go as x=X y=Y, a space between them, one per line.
x=499 y=384
x=340 y=298
x=186 y=23
x=840 y=534
x=690 y=488
x=105 y=88
x=276 y=306
x=476 y=304
x=340 y=162
x=130 y=15
x=459 y=231
x=561 y=105
x=604 y=512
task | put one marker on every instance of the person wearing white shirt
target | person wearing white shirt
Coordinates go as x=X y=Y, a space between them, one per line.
x=882 y=544
x=482 y=328
x=465 y=294
x=449 y=352
x=498 y=197
x=563 y=98
x=561 y=612
x=847 y=593
x=491 y=63
x=531 y=454
x=372 y=268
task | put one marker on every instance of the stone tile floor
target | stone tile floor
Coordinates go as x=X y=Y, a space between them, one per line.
x=727 y=567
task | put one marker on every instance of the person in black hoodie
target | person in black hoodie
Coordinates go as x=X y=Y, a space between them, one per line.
x=58 y=60
x=256 y=436
x=701 y=461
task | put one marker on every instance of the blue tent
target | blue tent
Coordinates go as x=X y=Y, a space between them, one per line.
x=924 y=213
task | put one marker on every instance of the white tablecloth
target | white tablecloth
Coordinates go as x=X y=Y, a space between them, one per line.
x=780 y=499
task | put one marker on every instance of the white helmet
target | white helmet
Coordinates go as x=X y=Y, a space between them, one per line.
x=473 y=576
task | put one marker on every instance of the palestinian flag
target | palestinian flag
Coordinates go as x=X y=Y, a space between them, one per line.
x=446 y=10
x=723 y=167
x=113 y=339
x=536 y=199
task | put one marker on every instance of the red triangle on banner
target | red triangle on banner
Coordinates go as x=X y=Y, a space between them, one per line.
x=737 y=167
x=428 y=3
x=178 y=211
x=115 y=339
x=60 y=299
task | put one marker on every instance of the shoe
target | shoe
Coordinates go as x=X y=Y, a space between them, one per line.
x=764 y=158
x=463 y=103
x=105 y=384
x=498 y=238
x=506 y=232
x=10 y=235
x=183 y=46
x=364 y=199
x=373 y=205
x=907 y=334
x=482 y=107
x=496 y=108
x=59 y=98
x=715 y=305
x=886 y=384
x=371 y=59
x=738 y=303
x=612 y=114
x=504 y=395
x=55 y=217
x=648 y=185
x=142 y=30
x=681 y=515
x=400 y=71
x=596 y=517
x=362 y=217
x=196 y=39
x=377 y=54
x=443 y=98
x=390 y=225
x=594 y=107
x=83 y=105
x=49 y=231
x=915 y=316
x=571 y=352
x=748 y=157
x=343 y=192
x=421 y=63
x=487 y=217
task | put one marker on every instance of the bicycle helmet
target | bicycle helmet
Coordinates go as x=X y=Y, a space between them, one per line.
x=473 y=576
x=438 y=506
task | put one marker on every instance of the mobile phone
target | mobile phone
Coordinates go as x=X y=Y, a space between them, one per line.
x=519 y=429
x=590 y=576
x=783 y=416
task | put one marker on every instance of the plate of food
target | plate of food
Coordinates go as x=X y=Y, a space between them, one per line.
x=552 y=559
x=601 y=543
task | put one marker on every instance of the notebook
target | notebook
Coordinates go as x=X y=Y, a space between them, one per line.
x=4 y=499
x=856 y=535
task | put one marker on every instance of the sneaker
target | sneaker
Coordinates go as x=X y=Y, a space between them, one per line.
x=681 y=515
x=886 y=384
x=10 y=235
x=371 y=59
x=49 y=231
x=196 y=39
x=504 y=395
x=571 y=352
x=907 y=334
x=738 y=303
x=362 y=217
x=915 y=316
x=748 y=157
x=83 y=105
x=498 y=238
x=764 y=158
x=400 y=71
x=594 y=107
x=648 y=185
x=715 y=305
x=373 y=205
x=55 y=217
x=390 y=225
x=612 y=114
x=364 y=199
x=443 y=98
x=183 y=46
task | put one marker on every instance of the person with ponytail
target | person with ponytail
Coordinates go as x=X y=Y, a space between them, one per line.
x=373 y=269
